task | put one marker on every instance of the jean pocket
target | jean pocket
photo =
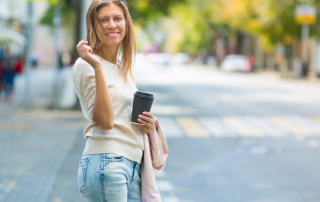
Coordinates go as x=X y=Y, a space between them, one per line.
x=82 y=173
x=114 y=157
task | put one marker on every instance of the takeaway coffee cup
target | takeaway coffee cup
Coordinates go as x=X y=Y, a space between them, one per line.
x=141 y=102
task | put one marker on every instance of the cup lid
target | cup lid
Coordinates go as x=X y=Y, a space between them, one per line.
x=145 y=95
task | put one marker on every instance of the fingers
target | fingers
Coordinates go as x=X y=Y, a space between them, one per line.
x=86 y=48
x=81 y=43
x=146 y=121
x=148 y=114
x=79 y=48
x=145 y=118
x=83 y=48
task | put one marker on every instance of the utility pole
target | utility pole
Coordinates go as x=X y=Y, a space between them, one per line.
x=28 y=59
x=84 y=9
x=56 y=23
x=304 y=48
x=81 y=7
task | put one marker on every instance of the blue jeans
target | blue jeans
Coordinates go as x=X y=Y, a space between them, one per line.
x=109 y=178
x=8 y=79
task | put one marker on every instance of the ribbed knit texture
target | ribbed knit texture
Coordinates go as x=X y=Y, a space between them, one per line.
x=124 y=138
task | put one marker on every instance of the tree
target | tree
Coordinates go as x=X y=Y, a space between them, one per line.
x=143 y=12
x=270 y=21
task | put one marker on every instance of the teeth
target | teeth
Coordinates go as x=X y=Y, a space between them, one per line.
x=112 y=34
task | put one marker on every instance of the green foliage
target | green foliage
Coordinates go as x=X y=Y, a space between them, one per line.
x=142 y=11
x=193 y=23
x=145 y=11
x=270 y=21
x=67 y=14
x=190 y=30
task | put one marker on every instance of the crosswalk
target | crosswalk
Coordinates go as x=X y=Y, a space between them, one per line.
x=239 y=126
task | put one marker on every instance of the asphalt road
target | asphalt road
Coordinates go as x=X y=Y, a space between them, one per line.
x=232 y=138
x=242 y=137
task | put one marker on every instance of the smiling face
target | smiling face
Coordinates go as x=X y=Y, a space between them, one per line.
x=113 y=24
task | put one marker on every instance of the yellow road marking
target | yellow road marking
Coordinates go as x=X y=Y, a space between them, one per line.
x=12 y=184
x=315 y=118
x=191 y=127
x=293 y=128
x=241 y=127
x=16 y=127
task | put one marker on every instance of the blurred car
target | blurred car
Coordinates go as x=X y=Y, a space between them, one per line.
x=164 y=58
x=151 y=58
x=159 y=58
x=181 y=58
x=234 y=63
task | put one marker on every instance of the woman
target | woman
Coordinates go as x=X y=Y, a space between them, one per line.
x=109 y=169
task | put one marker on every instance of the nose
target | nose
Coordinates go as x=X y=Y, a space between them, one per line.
x=111 y=25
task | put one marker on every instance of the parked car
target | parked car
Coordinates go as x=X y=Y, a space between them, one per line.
x=181 y=58
x=234 y=63
x=159 y=58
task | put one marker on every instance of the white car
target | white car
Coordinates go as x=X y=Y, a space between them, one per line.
x=181 y=58
x=232 y=63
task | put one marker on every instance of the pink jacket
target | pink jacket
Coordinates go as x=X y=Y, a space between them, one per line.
x=154 y=159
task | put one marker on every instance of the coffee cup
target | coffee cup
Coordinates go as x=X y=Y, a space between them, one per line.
x=141 y=102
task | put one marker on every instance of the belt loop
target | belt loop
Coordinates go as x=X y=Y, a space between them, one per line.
x=102 y=161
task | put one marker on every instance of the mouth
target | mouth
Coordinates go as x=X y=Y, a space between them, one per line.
x=113 y=34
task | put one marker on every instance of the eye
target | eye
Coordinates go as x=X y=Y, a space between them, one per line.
x=104 y=20
x=118 y=18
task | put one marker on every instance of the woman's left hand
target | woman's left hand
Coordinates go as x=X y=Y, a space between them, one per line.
x=148 y=122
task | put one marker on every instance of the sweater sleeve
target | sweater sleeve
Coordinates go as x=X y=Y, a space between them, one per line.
x=84 y=83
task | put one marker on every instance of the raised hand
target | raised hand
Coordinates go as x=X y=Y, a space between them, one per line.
x=85 y=53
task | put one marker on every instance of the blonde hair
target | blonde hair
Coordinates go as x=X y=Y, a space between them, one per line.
x=95 y=34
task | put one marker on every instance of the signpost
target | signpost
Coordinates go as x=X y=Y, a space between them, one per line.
x=305 y=15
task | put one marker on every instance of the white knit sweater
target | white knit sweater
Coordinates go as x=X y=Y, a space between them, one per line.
x=124 y=138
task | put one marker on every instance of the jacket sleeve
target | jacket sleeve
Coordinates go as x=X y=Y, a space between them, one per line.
x=154 y=159
x=158 y=148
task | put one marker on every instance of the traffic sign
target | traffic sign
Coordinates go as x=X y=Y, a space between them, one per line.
x=305 y=14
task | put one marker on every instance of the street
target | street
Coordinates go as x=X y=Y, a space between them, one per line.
x=237 y=137
x=242 y=137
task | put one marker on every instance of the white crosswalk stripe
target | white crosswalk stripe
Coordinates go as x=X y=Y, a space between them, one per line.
x=170 y=199
x=241 y=127
x=160 y=175
x=308 y=123
x=164 y=186
x=292 y=127
x=244 y=126
x=216 y=128
x=265 y=126
x=170 y=127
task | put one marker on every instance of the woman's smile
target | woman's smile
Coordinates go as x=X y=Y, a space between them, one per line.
x=113 y=34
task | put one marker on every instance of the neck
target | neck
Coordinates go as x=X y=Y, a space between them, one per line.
x=109 y=53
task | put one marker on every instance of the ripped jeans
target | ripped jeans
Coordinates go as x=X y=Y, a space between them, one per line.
x=109 y=178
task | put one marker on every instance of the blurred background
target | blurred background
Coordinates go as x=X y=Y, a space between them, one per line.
x=236 y=86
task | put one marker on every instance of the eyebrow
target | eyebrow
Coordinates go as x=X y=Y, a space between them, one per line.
x=113 y=16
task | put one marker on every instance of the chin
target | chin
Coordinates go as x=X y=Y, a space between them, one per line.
x=112 y=43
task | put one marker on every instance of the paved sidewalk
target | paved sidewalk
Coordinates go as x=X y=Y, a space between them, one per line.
x=35 y=149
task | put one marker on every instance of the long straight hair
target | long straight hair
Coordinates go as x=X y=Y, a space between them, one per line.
x=95 y=34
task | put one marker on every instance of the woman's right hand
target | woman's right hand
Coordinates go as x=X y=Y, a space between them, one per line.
x=85 y=53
